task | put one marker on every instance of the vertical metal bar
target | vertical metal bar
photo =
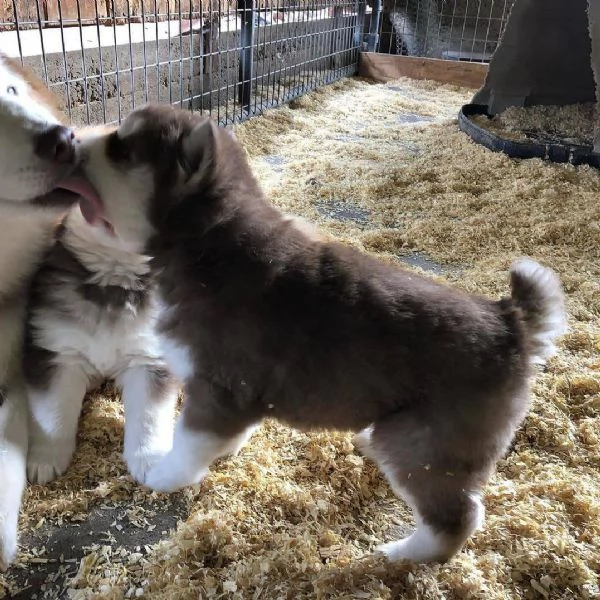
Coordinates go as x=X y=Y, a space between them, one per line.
x=204 y=63
x=373 y=37
x=452 y=20
x=18 y=28
x=157 y=51
x=100 y=61
x=218 y=52
x=361 y=9
x=247 y=14
x=304 y=71
x=41 y=31
x=131 y=75
x=316 y=56
x=156 y=30
x=145 y=58
x=208 y=61
x=283 y=68
x=118 y=82
x=336 y=36
x=181 y=57
x=313 y=45
x=263 y=43
x=486 y=39
x=272 y=63
x=170 y=63
x=64 y=53
x=229 y=90
x=83 y=66
x=439 y=33
x=191 y=85
x=348 y=39
x=464 y=27
x=298 y=40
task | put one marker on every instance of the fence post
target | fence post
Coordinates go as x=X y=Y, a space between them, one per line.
x=359 y=30
x=247 y=12
x=337 y=13
x=373 y=37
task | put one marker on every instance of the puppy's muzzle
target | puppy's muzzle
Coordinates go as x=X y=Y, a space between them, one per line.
x=56 y=145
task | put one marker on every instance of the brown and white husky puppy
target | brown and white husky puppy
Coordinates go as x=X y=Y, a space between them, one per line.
x=260 y=320
x=91 y=316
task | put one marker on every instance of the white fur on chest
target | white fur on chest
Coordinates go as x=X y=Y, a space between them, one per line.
x=103 y=341
x=105 y=348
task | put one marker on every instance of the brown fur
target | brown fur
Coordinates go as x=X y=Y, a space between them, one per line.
x=318 y=335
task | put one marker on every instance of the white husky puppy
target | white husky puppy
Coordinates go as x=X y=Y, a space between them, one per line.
x=37 y=154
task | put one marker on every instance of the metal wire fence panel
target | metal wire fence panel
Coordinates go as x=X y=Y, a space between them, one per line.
x=466 y=30
x=229 y=58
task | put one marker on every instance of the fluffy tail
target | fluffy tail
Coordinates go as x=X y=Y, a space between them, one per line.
x=537 y=291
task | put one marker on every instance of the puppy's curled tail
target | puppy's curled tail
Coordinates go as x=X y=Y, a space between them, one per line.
x=537 y=291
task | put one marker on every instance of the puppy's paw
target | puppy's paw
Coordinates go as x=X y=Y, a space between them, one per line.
x=46 y=463
x=423 y=546
x=394 y=551
x=167 y=476
x=139 y=463
x=8 y=540
x=362 y=442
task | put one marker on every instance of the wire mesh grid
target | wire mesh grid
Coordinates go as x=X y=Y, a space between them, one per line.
x=229 y=58
x=467 y=30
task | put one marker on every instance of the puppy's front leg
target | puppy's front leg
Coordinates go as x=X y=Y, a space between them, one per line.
x=150 y=397
x=54 y=415
x=13 y=454
x=198 y=442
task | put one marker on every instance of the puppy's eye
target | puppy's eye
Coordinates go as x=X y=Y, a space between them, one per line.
x=12 y=90
x=118 y=150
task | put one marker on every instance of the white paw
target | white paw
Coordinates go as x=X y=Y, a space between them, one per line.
x=139 y=463
x=167 y=476
x=394 y=551
x=47 y=463
x=423 y=546
x=362 y=442
x=8 y=540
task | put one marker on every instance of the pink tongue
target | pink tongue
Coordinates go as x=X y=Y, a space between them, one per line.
x=89 y=202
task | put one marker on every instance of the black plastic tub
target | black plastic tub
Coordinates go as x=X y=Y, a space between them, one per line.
x=554 y=152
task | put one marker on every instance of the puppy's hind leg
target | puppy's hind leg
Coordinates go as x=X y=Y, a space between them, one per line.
x=442 y=489
x=150 y=397
x=204 y=432
x=54 y=416
x=13 y=456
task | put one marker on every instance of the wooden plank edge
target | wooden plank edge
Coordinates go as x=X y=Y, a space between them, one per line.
x=387 y=67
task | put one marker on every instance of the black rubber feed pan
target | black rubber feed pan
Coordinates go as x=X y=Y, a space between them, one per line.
x=554 y=152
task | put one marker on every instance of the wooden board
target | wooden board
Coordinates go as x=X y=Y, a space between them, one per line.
x=386 y=67
x=68 y=10
x=50 y=15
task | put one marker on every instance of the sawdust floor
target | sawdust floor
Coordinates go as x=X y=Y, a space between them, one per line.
x=296 y=515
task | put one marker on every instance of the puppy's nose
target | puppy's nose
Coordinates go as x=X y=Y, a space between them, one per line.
x=56 y=144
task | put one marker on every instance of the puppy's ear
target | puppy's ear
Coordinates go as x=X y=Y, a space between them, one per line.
x=198 y=151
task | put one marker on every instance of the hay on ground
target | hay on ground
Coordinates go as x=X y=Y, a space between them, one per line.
x=568 y=124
